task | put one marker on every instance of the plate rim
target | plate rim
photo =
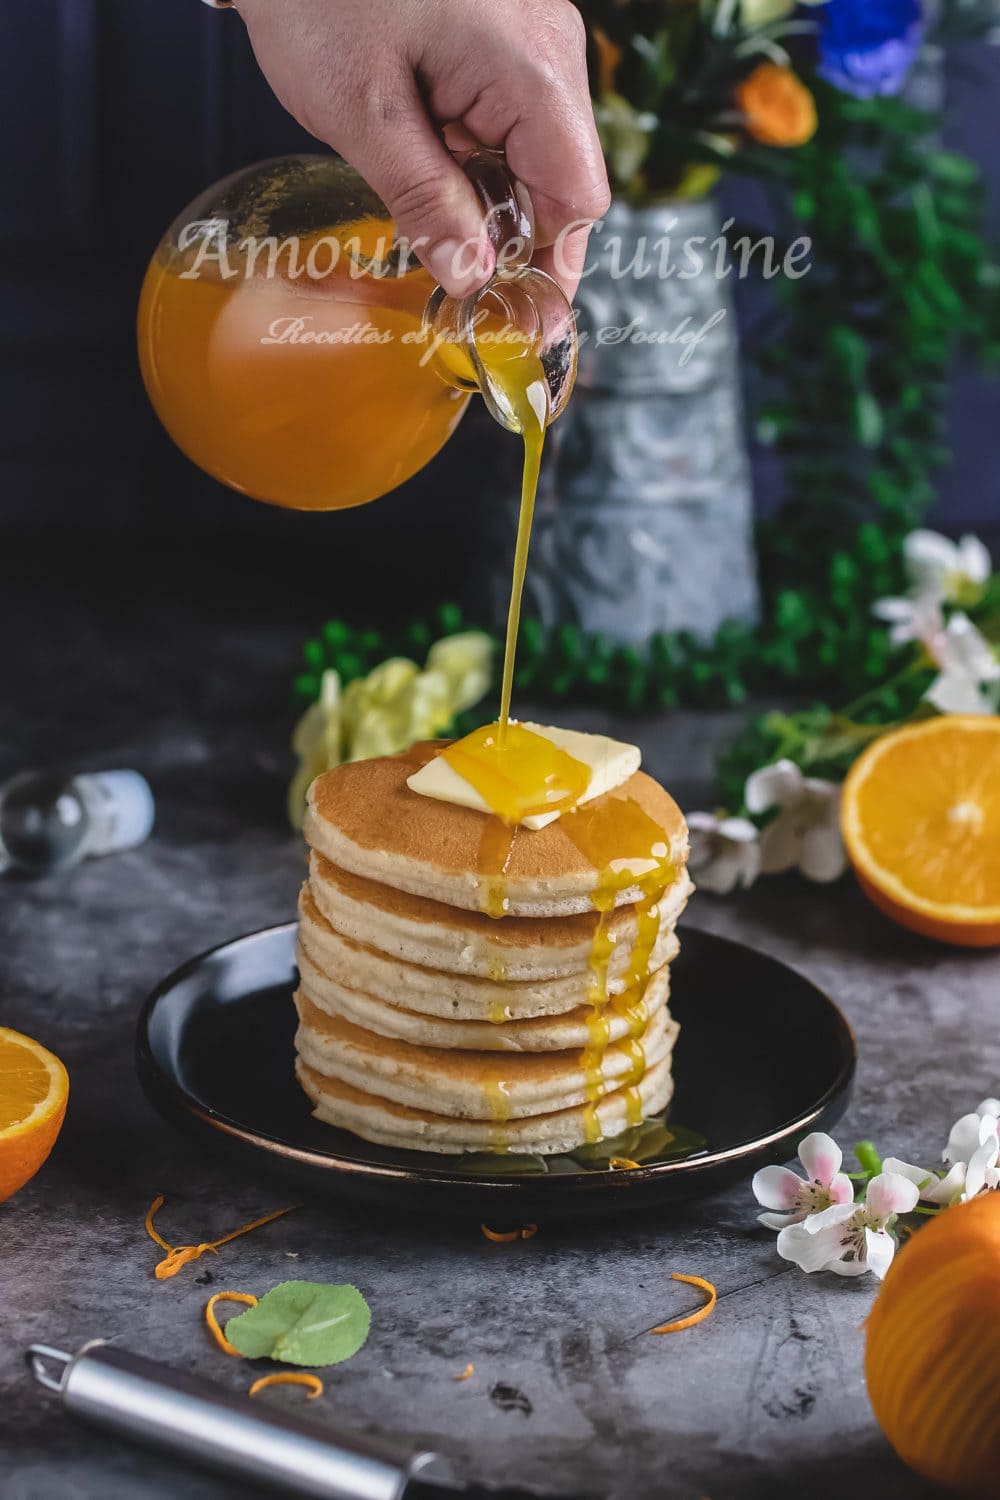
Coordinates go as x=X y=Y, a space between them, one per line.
x=156 y=1082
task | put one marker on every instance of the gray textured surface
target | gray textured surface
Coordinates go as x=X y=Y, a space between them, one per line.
x=765 y=1399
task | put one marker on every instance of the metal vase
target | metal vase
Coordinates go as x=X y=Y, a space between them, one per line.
x=644 y=517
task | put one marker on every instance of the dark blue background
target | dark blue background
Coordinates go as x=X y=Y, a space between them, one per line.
x=113 y=114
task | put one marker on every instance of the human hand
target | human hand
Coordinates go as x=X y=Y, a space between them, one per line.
x=378 y=79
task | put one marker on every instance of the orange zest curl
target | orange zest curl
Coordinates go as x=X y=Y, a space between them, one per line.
x=695 y=1317
x=508 y=1236
x=465 y=1374
x=213 y=1323
x=290 y=1377
x=623 y=1164
x=182 y=1255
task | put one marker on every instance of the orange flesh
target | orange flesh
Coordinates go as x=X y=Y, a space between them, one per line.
x=34 y=1088
x=25 y=1082
x=921 y=819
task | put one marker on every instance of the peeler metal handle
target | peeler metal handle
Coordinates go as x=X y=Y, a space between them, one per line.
x=147 y=1402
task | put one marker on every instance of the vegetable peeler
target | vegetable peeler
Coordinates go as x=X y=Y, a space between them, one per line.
x=147 y=1402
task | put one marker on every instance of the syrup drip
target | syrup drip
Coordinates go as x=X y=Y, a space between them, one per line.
x=496 y=967
x=497 y=1092
x=495 y=849
x=518 y=371
x=518 y=774
x=629 y=849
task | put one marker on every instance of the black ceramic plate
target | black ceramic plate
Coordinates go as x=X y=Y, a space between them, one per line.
x=763 y=1058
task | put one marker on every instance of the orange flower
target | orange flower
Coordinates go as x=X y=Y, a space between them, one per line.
x=779 y=109
x=609 y=57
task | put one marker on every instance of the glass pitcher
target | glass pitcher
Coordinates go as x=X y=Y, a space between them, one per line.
x=297 y=351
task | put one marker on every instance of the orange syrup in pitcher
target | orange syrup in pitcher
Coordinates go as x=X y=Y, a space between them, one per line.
x=308 y=387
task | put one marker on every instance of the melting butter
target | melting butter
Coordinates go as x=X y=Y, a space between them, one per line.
x=531 y=775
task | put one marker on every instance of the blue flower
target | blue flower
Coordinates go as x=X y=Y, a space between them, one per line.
x=867 y=47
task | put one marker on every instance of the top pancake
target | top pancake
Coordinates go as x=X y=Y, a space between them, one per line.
x=364 y=818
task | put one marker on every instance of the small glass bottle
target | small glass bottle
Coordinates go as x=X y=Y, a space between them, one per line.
x=50 y=821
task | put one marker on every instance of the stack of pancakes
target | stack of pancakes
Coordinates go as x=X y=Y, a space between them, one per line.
x=428 y=1024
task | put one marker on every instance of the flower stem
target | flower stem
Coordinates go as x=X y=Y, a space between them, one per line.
x=868 y=1157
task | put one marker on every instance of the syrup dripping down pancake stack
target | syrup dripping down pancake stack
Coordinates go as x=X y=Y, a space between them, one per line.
x=466 y=985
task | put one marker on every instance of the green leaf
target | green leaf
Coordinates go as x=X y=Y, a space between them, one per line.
x=303 y=1323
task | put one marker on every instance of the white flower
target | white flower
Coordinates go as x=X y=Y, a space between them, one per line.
x=968 y=664
x=918 y=619
x=974 y=1148
x=318 y=741
x=950 y=572
x=806 y=833
x=725 y=852
x=965 y=1135
x=972 y=1156
x=850 y=1239
x=467 y=662
x=983 y=1172
x=941 y=572
x=942 y=1191
x=796 y=1198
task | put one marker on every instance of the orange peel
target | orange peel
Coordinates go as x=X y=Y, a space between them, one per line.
x=247 y=1298
x=508 y=1236
x=465 y=1374
x=182 y=1255
x=700 y=1314
x=289 y=1377
x=623 y=1164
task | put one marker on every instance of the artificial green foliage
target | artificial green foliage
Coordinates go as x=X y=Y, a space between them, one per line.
x=856 y=378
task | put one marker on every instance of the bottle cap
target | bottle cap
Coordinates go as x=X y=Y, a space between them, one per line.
x=121 y=807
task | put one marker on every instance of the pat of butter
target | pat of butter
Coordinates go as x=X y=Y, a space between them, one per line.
x=610 y=763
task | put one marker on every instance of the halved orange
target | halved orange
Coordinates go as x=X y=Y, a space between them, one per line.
x=34 y=1087
x=920 y=817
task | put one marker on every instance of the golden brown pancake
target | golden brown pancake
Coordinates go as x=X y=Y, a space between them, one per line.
x=429 y=933
x=468 y=1085
x=390 y=1124
x=455 y=996
x=536 y=1034
x=366 y=820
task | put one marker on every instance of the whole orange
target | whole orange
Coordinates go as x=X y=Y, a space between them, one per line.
x=932 y=1360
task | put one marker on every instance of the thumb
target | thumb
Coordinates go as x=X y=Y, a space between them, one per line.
x=432 y=202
